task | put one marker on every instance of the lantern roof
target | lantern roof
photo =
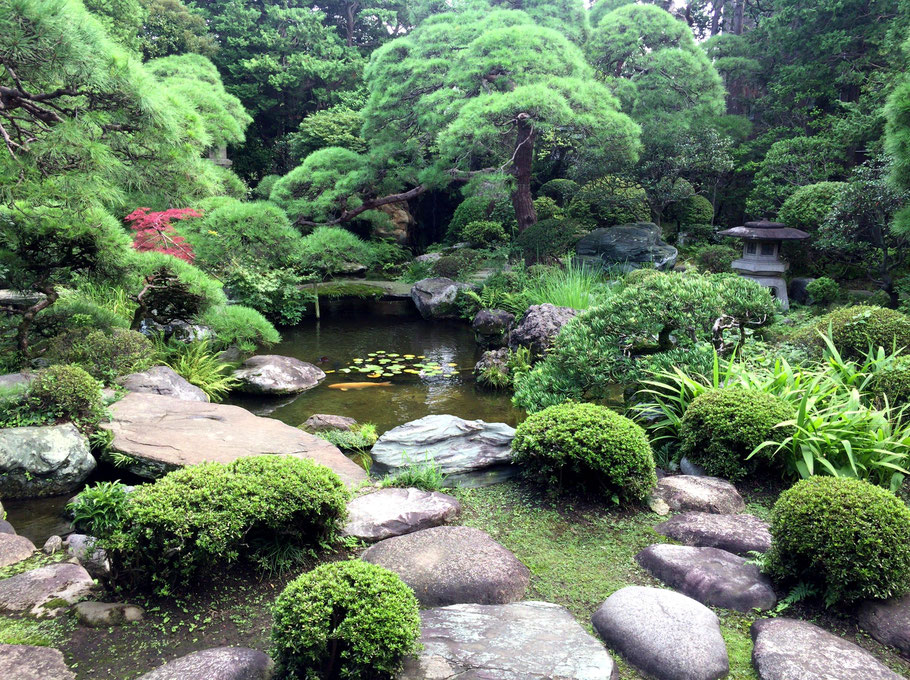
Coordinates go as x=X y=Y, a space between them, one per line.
x=763 y=230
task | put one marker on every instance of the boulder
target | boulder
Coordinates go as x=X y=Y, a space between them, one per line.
x=492 y=326
x=888 y=621
x=162 y=380
x=25 y=662
x=20 y=298
x=539 y=325
x=323 y=422
x=627 y=246
x=469 y=452
x=493 y=358
x=43 y=461
x=219 y=663
x=45 y=591
x=429 y=258
x=272 y=374
x=399 y=224
x=5 y=527
x=687 y=467
x=714 y=577
x=739 y=534
x=178 y=330
x=453 y=565
x=20 y=380
x=702 y=494
x=787 y=649
x=53 y=544
x=395 y=512
x=435 y=297
x=163 y=433
x=14 y=549
x=94 y=559
x=105 y=614
x=665 y=635
x=519 y=641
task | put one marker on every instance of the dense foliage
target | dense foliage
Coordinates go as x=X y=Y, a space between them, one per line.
x=855 y=329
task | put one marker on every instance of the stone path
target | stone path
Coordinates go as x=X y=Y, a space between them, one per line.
x=713 y=577
x=739 y=534
x=394 y=512
x=162 y=433
x=519 y=641
x=453 y=565
x=702 y=494
x=664 y=634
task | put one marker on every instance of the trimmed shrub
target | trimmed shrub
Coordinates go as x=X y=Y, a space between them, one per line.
x=854 y=329
x=484 y=233
x=74 y=312
x=206 y=516
x=715 y=259
x=823 y=290
x=721 y=427
x=549 y=238
x=560 y=190
x=264 y=187
x=352 y=620
x=546 y=208
x=67 y=391
x=846 y=537
x=636 y=276
x=807 y=207
x=241 y=326
x=586 y=446
x=105 y=356
x=694 y=210
x=479 y=208
x=459 y=264
x=893 y=382
x=609 y=201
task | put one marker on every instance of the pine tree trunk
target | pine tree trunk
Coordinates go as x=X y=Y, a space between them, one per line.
x=716 y=19
x=739 y=8
x=522 y=200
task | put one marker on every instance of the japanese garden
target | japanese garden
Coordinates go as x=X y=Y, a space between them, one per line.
x=454 y=339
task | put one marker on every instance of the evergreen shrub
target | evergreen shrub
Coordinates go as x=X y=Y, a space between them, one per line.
x=854 y=329
x=823 y=290
x=67 y=391
x=484 y=233
x=105 y=356
x=560 y=190
x=610 y=201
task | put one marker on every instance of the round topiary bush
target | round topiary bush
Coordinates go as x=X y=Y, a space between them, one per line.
x=721 y=427
x=546 y=208
x=823 y=290
x=586 y=446
x=609 y=201
x=807 y=207
x=847 y=537
x=206 y=516
x=893 y=383
x=549 y=238
x=716 y=259
x=560 y=190
x=344 y=620
x=636 y=276
x=478 y=208
x=694 y=210
x=855 y=329
x=67 y=391
x=457 y=265
x=104 y=356
x=484 y=233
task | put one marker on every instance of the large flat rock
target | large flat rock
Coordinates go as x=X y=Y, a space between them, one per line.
x=219 y=663
x=43 y=461
x=14 y=549
x=702 y=494
x=45 y=591
x=712 y=576
x=888 y=621
x=26 y=662
x=468 y=452
x=519 y=641
x=163 y=433
x=664 y=634
x=395 y=512
x=739 y=534
x=787 y=649
x=453 y=565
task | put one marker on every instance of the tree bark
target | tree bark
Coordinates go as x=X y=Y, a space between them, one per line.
x=522 y=160
x=716 y=18
x=28 y=318
x=739 y=8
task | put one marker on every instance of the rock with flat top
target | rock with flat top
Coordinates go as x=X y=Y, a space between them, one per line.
x=453 y=565
x=165 y=381
x=27 y=662
x=683 y=493
x=161 y=434
x=714 y=577
x=787 y=649
x=273 y=374
x=105 y=614
x=739 y=534
x=324 y=422
x=518 y=641
x=395 y=512
x=14 y=549
x=219 y=663
x=45 y=591
x=435 y=297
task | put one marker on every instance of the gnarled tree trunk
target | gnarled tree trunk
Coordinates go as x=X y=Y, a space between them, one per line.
x=522 y=159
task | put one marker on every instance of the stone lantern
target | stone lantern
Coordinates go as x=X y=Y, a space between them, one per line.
x=761 y=254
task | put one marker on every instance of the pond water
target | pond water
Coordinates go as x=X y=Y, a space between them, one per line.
x=435 y=363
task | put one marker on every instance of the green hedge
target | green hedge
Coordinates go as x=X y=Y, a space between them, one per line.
x=854 y=329
x=351 y=620
x=846 y=537
x=609 y=201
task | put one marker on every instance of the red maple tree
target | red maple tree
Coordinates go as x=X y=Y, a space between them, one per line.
x=154 y=231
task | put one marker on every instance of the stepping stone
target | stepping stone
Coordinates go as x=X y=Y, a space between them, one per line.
x=165 y=381
x=219 y=663
x=163 y=433
x=453 y=565
x=739 y=534
x=324 y=422
x=106 y=614
x=395 y=512
x=519 y=641
x=703 y=494
x=787 y=649
x=713 y=577
x=888 y=621
x=664 y=634
x=273 y=374
x=45 y=591
x=14 y=549
x=25 y=662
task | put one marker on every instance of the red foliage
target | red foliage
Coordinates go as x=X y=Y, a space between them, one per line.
x=154 y=231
